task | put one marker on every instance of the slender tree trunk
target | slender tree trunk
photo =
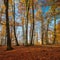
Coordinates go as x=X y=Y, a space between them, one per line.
x=54 y=30
x=42 y=33
x=37 y=38
x=15 y=28
x=30 y=33
x=5 y=40
x=47 y=32
x=32 y=43
x=27 y=10
x=1 y=41
x=0 y=31
x=7 y=27
x=26 y=26
x=23 y=33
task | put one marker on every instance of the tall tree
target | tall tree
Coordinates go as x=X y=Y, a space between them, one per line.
x=27 y=10
x=48 y=19
x=53 y=8
x=15 y=28
x=23 y=30
x=47 y=31
x=39 y=17
x=42 y=31
x=6 y=2
x=31 y=43
x=54 y=29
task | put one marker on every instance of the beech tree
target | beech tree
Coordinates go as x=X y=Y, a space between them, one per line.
x=6 y=2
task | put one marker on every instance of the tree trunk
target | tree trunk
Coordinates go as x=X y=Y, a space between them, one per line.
x=27 y=10
x=42 y=33
x=15 y=28
x=26 y=26
x=54 y=30
x=7 y=27
x=32 y=43
x=23 y=33
x=47 y=32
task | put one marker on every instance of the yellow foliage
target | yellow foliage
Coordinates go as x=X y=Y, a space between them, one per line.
x=53 y=7
x=3 y=30
x=31 y=21
x=3 y=8
x=22 y=20
x=10 y=2
x=23 y=1
x=10 y=13
x=38 y=13
x=29 y=1
x=58 y=32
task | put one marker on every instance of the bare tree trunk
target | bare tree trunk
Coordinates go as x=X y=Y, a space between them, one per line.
x=27 y=10
x=42 y=32
x=26 y=26
x=32 y=24
x=7 y=27
x=15 y=28
x=23 y=33
x=54 y=30
x=47 y=32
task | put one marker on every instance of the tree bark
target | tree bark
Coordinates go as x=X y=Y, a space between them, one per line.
x=42 y=33
x=27 y=10
x=15 y=28
x=7 y=26
x=47 y=32
x=54 y=30
x=32 y=43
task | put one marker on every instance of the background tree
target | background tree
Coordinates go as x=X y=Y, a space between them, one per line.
x=33 y=23
x=14 y=27
x=53 y=7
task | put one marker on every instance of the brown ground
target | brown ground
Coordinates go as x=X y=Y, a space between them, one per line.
x=30 y=53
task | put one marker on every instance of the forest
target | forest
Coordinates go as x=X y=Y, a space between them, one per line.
x=31 y=27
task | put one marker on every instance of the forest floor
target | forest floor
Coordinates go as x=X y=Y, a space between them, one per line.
x=30 y=53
